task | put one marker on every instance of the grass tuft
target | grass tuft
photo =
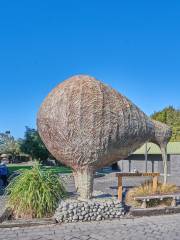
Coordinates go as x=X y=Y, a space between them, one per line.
x=35 y=193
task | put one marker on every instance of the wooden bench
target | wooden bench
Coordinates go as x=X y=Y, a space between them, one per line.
x=121 y=175
x=146 y=199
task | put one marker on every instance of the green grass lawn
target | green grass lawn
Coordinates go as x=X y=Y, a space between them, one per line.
x=56 y=169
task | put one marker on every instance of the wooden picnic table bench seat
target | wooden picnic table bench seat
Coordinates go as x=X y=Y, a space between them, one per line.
x=146 y=199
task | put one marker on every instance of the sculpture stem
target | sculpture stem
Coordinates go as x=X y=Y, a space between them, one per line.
x=164 y=158
x=84 y=182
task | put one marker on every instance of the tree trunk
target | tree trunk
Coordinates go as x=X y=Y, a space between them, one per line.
x=84 y=182
x=164 y=158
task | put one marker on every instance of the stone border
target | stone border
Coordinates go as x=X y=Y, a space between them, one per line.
x=27 y=223
x=135 y=212
x=140 y=212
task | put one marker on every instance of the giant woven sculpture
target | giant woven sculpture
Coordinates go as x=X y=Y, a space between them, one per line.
x=88 y=125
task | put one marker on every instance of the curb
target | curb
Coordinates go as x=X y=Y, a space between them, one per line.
x=133 y=213
x=5 y=215
x=139 y=212
x=27 y=223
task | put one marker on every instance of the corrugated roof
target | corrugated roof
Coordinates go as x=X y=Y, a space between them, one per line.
x=172 y=148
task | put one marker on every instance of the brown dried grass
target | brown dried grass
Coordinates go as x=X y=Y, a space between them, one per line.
x=146 y=189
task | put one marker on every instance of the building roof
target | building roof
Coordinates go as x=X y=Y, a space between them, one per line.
x=172 y=148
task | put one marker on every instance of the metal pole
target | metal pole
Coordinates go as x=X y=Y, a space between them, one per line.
x=146 y=156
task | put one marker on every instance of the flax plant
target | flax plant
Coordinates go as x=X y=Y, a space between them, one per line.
x=35 y=193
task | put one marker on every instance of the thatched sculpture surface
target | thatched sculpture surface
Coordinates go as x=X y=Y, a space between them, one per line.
x=88 y=125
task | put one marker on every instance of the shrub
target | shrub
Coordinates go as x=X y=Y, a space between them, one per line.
x=146 y=189
x=35 y=193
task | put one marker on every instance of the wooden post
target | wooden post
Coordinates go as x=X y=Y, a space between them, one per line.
x=155 y=183
x=173 y=203
x=144 y=205
x=120 y=188
x=146 y=157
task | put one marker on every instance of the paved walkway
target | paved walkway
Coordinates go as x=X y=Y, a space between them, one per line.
x=155 y=227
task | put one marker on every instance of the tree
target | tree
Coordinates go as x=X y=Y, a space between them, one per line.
x=9 y=145
x=33 y=145
x=171 y=117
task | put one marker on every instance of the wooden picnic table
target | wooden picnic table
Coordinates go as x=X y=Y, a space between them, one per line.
x=120 y=175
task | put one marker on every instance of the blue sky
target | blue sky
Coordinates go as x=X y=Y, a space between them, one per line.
x=134 y=46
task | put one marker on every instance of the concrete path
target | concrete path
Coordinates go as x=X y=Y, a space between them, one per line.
x=155 y=227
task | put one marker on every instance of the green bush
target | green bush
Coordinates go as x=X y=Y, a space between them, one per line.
x=35 y=193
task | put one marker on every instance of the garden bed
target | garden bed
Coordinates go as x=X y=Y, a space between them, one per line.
x=136 y=195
